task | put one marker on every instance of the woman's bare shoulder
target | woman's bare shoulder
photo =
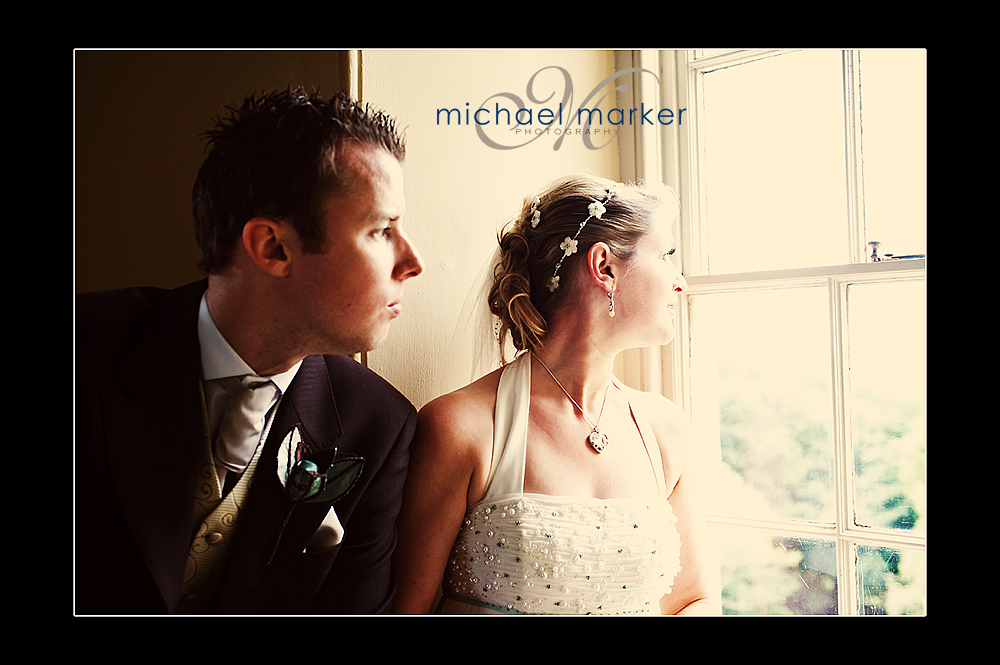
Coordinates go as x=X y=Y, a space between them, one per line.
x=454 y=439
x=671 y=425
x=460 y=418
x=469 y=403
x=662 y=413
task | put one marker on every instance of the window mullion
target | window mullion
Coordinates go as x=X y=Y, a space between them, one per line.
x=853 y=162
x=843 y=467
x=692 y=152
x=848 y=593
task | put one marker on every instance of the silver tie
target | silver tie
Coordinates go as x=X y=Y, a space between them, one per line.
x=242 y=424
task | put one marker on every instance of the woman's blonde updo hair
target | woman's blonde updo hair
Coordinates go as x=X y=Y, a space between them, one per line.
x=520 y=296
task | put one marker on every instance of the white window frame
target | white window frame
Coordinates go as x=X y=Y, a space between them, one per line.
x=674 y=156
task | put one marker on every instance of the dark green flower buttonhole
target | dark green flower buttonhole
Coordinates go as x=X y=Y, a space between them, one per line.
x=305 y=482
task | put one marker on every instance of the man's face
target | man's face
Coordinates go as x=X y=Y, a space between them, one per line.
x=344 y=298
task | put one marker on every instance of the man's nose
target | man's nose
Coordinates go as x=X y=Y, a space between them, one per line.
x=410 y=263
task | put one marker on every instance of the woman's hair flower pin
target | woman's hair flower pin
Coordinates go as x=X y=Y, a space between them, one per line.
x=569 y=245
x=536 y=214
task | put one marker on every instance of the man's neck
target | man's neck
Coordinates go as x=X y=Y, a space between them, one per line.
x=242 y=323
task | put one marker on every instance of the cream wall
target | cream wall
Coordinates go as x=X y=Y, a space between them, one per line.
x=459 y=190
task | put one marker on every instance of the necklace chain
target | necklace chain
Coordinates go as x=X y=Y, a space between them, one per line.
x=597 y=440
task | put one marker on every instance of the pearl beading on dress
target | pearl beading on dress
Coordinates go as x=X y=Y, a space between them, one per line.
x=542 y=555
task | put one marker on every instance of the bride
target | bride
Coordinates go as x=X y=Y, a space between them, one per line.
x=546 y=486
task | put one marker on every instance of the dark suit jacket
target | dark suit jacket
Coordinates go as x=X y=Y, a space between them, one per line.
x=140 y=416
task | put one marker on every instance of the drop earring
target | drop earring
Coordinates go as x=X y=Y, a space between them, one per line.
x=611 y=303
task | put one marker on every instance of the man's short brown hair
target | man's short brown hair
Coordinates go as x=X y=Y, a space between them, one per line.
x=275 y=157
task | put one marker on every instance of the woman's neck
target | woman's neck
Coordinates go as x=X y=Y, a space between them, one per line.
x=580 y=366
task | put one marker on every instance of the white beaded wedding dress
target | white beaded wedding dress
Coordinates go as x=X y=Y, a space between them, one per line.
x=523 y=553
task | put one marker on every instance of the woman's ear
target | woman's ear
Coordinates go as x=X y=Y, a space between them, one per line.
x=267 y=244
x=602 y=266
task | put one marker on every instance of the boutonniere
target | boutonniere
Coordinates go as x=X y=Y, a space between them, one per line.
x=305 y=482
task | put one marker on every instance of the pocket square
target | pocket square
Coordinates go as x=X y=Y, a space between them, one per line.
x=328 y=535
x=306 y=483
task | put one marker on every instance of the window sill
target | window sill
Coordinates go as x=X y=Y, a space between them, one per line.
x=789 y=276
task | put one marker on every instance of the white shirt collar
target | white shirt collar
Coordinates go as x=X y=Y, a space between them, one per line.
x=219 y=360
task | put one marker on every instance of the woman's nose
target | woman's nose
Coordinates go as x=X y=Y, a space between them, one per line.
x=680 y=286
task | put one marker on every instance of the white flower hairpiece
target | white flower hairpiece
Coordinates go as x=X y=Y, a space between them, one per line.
x=569 y=245
x=536 y=215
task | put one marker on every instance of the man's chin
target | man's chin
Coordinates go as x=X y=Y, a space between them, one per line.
x=372 y=343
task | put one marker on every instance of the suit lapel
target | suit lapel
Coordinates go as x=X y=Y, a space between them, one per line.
x=153 y=437
x=308 y=403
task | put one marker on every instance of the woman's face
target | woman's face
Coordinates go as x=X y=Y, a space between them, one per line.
x=646 y=296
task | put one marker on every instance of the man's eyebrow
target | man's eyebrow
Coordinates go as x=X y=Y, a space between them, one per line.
x=391 y=214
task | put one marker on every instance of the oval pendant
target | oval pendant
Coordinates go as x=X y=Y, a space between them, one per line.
x=598 y=441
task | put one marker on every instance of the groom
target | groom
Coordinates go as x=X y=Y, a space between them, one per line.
x=298 y=212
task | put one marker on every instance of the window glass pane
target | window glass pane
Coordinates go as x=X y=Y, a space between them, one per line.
x=760 y=364
x=775 y=178
x=891 y=581
x=887 y=379
x=765 y=574
x=893 y=143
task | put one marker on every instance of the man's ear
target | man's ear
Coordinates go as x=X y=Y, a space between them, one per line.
x=267 y=244
x=602 y=266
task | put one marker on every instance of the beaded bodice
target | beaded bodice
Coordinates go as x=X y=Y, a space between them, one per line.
x=551 y=555
x=540 y=554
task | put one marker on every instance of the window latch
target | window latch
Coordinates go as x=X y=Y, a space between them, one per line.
x=875 y=258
